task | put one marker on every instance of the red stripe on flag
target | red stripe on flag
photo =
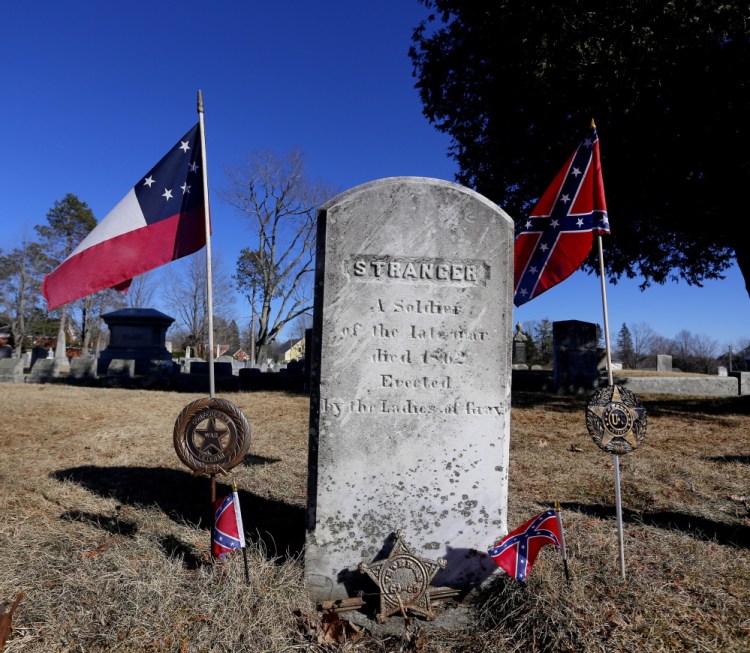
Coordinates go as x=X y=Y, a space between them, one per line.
x=119 y=259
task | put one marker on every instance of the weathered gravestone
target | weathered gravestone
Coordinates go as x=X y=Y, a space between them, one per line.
x=663 y=363
x=121 y=368
x=82 y=370
x=43 y=370
x=410 y=395
x=520 y=340
x=575 y=356
x=11 y=370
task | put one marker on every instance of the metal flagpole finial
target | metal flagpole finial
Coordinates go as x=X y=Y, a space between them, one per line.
x=593 y=124
x=200 y=101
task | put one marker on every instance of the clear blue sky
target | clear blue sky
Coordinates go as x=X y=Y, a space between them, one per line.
x=94 y=93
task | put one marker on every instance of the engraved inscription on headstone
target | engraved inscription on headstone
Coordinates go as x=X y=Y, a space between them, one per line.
x=411 y=367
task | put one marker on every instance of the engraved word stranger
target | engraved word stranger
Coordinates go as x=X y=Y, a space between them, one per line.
x=387 y=268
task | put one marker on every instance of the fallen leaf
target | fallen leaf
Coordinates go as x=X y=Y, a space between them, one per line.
x=575 y=448
x=335 y=630
x=86 y=555
x=6 y=619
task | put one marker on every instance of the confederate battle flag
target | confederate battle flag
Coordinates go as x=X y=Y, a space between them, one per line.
x=517 y=551
x=228 y=532
x=558 y=235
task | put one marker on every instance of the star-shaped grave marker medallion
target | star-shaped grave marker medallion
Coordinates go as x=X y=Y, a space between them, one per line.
x=212 y=437
x=403 y=579
x=616 y=420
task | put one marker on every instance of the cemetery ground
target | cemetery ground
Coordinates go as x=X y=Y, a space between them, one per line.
x=106 y=533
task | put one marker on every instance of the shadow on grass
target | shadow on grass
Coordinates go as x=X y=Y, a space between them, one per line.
x=186 y=498
x=549 y=401
x=743 y=460
x=112 y=525
x=698 y=407
x=173 y=548
x=249 y=460
x=698 y=527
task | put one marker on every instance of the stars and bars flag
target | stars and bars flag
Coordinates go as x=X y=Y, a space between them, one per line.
x=161 y=219
x=558 y=235
x=516 y=552
x=228 y=532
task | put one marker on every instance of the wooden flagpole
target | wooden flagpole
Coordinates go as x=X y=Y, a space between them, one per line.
x=209 y=280
x=610 y=380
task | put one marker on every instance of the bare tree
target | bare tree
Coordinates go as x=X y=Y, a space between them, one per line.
x=542 y=332
x=142 y=291
x=279 y=202
x=705 y=351
x=643 y=338
x=683 y=343
x=185 y=296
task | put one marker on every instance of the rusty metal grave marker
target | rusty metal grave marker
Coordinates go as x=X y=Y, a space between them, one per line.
x=403 y=579
x=211 y=436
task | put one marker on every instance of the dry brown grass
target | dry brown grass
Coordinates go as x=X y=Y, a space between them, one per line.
x=106 y=532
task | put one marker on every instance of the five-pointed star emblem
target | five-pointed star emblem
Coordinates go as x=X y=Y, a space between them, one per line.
x=212 y=437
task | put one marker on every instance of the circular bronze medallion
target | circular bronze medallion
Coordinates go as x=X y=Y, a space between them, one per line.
x=616 y=420
x=211 y=436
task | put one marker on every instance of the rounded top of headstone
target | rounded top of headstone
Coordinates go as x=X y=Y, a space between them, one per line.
x=415 y=185
x=135 y=314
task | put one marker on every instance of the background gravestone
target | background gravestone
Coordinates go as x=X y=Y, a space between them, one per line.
x=575 y=356
x=410 y=395
x=663 y=363
x=43 y=370
x=11 y=370
x=137 y=334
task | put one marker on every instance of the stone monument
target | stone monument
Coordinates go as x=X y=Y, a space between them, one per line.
x=136 y=334
x=519 y=348
x=663 y=363
x=575 y=356
x=410 y=390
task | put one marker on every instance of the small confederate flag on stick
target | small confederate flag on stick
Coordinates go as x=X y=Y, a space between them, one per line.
x=516 y=552
x=558 y=235
x=229 y=534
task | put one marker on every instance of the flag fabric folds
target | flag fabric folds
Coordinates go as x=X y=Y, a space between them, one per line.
x=516 y=552
x=228 y=532
x=161 y=219
x=557 y=237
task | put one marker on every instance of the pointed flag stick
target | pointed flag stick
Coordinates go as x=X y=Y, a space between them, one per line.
x=610 y=379
x=244 y=548
x=209 y=280
x=564 y=551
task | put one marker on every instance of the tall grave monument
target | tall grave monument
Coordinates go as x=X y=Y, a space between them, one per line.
x=410 y=393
